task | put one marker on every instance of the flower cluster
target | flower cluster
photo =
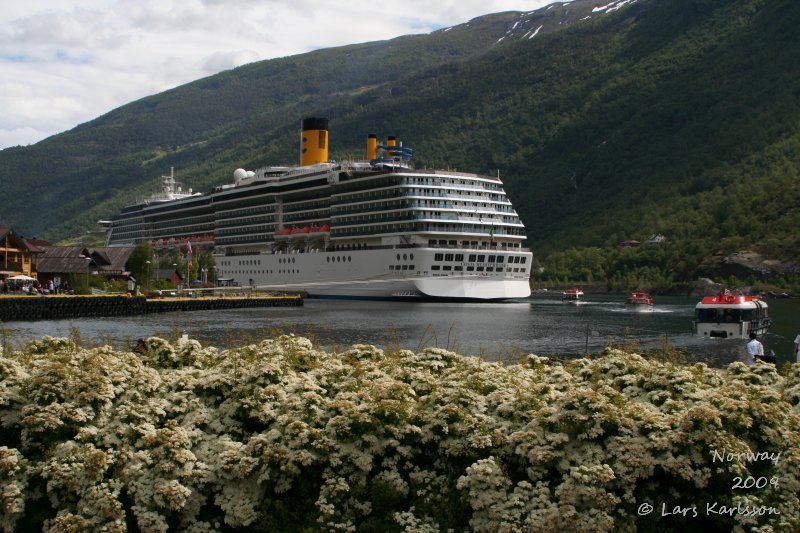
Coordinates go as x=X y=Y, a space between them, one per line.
x=281 y=436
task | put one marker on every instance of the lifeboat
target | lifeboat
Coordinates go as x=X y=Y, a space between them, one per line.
x=571 y=296
x=729 y=315
x=640 y=301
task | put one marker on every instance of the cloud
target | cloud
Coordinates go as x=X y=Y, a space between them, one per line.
x=67 y=62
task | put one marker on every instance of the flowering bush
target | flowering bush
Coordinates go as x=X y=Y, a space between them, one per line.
x=279 y=436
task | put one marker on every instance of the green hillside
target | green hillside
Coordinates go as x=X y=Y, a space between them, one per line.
x=669 y=117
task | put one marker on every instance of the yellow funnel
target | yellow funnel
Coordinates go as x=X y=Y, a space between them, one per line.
x=314 y=141
x=372 y=146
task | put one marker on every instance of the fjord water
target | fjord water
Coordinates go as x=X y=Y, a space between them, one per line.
x=541 y=325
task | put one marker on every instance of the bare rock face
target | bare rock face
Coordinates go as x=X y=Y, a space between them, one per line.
x=745 y=263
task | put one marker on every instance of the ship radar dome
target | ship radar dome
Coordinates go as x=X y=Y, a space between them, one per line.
x=239 y=174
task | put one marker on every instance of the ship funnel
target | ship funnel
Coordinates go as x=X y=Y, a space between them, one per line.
x=314 y=141
x=372 y=146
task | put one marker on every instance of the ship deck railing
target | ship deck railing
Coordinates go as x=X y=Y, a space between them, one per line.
x=479 y=248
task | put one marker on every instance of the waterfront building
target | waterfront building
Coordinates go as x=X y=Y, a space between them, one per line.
x=18 y=257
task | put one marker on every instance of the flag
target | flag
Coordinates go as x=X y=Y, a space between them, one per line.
x=188 y=260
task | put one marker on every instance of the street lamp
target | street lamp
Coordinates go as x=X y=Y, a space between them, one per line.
x=88 y=271
x=175 y=272
x=148 y=274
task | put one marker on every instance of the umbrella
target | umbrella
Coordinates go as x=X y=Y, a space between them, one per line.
x=21 y=277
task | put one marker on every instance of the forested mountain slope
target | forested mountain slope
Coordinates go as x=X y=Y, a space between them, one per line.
x=660 y=116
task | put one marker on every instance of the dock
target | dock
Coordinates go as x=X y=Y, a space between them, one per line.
x=54 y=307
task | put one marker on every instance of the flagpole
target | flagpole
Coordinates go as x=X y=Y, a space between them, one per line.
x=188 y=261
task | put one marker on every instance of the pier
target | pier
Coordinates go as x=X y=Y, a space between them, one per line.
x=55 y=307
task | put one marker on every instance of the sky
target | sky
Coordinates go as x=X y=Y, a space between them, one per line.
x=65 y=62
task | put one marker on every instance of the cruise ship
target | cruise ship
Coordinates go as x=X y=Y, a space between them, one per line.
x=376 y=228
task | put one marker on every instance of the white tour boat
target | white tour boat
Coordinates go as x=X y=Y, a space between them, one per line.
x=730 y=315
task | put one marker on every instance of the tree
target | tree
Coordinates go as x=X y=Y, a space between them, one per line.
x=140 y=262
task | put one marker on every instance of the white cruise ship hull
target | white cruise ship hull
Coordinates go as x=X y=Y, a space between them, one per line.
x=408 y=273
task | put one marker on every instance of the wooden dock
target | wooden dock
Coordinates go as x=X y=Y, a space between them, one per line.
x=56 y=307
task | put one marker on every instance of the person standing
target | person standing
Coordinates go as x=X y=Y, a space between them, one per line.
x=755 y=350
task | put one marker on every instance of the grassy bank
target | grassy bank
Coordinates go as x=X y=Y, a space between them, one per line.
x=280 y=436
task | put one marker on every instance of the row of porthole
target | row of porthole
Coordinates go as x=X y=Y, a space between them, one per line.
x=246 y=272
x=286 y=260
x=224 y=273
x=339 y=259
x=406 y=257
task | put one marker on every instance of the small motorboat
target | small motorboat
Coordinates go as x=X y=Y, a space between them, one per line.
x=640 y=301
x=729 y=315
x=571 y=296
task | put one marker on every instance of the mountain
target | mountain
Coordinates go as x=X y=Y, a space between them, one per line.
x=607 y=121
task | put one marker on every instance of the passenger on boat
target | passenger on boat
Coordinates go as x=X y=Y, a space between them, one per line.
x=796 y=352
x=755 y=349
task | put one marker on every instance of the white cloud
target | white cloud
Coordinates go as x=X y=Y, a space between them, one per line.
x=66 y=62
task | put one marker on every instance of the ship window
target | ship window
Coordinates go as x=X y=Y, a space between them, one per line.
x=438 y=257
x=491 y=259
x=405 y=257
x=499 y=258
x=524 y=259
x=706 y=315
x=391 y=267
x=489 y=269
x=349 y=258
x=405 y=267
x=480 y=269
x=447 y=267
x=516 y=270
x=411 y=267
x=481 y=258
x=398 y=257
x=459 y=268
x=435 y=267
x=459 y=257
x=411 y=257
x=448 y=257
x=472 y=258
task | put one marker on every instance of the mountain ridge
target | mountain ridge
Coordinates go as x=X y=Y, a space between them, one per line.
x=668 y=117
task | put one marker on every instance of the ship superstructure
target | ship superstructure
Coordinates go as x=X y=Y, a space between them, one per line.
x=376 y=228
